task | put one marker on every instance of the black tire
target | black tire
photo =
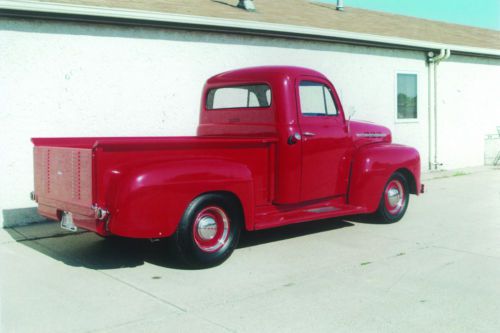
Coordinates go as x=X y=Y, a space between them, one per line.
x=206 y=213
x=393 y=204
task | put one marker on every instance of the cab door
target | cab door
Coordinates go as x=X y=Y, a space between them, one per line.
x=326 y=146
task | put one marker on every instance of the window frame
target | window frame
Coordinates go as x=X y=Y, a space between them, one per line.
x=324 y=84
x=236 y=86
x=406 y=120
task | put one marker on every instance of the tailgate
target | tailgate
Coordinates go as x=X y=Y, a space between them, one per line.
x=63 y=178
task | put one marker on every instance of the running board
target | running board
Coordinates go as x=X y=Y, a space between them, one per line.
x=274 y=216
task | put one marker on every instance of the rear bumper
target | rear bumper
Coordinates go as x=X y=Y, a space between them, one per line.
x=87 y=222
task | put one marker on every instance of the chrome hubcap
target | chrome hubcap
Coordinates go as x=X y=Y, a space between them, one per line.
x=207 y=228
x=211 y=229
x=393 y=196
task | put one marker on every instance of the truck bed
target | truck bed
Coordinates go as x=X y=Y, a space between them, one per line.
x=73 y=174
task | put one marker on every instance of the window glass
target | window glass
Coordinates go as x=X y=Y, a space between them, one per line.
x=407 y=96
x=316 y=99
x=250 y=96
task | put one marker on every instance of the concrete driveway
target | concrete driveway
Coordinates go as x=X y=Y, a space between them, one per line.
x=438 y=270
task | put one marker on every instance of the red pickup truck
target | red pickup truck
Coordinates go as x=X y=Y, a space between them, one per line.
x=273 y=147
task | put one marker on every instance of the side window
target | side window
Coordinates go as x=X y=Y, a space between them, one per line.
x=407 y=96
x=249 y=96
x=316 y=99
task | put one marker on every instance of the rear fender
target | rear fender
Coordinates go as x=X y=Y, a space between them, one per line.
x=373 y=165
x=149 y=201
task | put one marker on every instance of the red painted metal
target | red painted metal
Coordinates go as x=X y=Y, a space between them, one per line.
x=147 y=183
x=373 y=165
x=325 y=142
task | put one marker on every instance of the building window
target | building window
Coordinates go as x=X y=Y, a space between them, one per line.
x=316 y=99
x=407 y=96
x=239 y=97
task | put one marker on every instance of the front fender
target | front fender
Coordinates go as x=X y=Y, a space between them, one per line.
x=148 y=201
x=373 y=165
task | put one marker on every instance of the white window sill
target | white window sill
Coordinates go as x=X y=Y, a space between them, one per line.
x=406 y=121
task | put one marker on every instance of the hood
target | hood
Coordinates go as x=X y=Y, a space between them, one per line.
x=364 y=133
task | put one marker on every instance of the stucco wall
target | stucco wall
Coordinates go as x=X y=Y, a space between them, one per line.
x=69 y=79
x=469 y=108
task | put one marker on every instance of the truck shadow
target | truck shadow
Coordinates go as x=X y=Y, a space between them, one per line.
x=260 y=237
x=86 y=249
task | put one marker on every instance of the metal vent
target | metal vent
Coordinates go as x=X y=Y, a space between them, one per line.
x=247 y=5
x=340 y=5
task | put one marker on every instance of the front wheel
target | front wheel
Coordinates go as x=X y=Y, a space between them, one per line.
x=395 y=198
x=209 y=230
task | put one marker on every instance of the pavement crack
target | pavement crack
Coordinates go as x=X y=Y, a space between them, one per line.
x=108 y=328
x=32 y=239
x=216 y=324
x=35 y=240
x=464 y=251
x=398 y=279
x=145 y=292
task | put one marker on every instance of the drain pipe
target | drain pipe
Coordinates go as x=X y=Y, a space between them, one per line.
x=434 y=60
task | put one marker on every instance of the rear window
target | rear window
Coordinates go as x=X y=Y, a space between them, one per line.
x=239 y=97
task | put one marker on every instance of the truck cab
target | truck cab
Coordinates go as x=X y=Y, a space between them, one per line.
x=299 y=107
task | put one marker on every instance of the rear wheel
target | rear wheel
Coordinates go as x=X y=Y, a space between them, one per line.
x=395 y=198
x=209 y=230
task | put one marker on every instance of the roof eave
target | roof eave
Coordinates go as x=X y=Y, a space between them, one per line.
x=66 y=12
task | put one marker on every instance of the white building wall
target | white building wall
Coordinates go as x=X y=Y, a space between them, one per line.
x=468 y=109
x=69 y=79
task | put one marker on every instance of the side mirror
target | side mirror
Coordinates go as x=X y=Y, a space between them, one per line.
x=351 y=112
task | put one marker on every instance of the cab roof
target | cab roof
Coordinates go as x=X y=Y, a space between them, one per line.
x=263 y=73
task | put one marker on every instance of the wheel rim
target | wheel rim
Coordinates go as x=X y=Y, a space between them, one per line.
x=211 y=229
x=394 y=196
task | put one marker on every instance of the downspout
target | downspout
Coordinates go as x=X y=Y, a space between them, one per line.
x=434 y=60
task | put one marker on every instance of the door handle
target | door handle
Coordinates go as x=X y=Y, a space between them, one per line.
x=309 y=134
x=294 y=138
